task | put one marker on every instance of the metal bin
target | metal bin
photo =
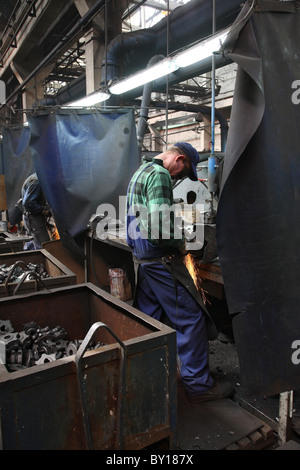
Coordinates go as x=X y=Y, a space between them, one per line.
x=11 y=243
x=59 y=274
x=119 y=396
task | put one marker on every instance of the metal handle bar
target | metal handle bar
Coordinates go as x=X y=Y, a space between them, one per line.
x=15 y=265
x=24 y=276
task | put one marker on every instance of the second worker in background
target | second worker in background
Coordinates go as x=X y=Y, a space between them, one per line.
x=35 y=212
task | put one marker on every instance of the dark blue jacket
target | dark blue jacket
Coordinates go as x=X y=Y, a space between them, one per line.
x=33 y=199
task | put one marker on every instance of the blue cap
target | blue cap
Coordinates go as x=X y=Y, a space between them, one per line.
x=193 y=155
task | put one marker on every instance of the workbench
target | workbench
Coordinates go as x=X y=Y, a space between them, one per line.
x=210 y=273
x=112 y=250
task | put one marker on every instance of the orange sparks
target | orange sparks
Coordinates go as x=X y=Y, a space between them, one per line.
x=191 y=267
x=55 y=234
x=195 y=275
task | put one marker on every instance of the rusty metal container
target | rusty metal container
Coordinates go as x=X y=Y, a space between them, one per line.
x=11 y=243
x=119 y=396
x=59 y=274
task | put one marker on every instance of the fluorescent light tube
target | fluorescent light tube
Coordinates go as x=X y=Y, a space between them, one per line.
x=194 y=54
x=151 y=73
x=201 y=51
x=90 y=100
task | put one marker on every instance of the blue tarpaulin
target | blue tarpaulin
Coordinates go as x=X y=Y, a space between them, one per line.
x=83 y=159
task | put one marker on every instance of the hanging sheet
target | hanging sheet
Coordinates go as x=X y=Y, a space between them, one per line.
x=17 y=165
x=258 y=220
x=83 y=159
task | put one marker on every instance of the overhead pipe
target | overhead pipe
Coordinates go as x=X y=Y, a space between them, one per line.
x=130 y=52
x=212 y=162
x=194 y=108
x=213 y=84
x=223 y=124
x=75 y=90
x=144 y=111
x=182 y=74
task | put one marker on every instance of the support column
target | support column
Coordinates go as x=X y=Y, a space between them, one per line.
x=94 y=52
x=285 y=417
x=106 y=26
x=34 y=89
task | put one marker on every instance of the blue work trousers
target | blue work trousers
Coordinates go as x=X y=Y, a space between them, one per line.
x=156 y=294
x=35 y=225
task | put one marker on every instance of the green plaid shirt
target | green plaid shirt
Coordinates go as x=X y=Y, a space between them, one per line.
x=151 y=189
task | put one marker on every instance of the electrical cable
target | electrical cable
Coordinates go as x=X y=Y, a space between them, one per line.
x=92 y=259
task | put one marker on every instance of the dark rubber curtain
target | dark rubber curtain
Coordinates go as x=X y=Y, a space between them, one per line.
x=83 y=159
x=17 y=165
x=258 y=220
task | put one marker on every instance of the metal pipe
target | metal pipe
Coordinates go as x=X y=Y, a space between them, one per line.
x=135 y=49
x=194 y=108
x=213 y=84
x=167 y=79
x=142 y=121
x=212 y=187
x=131 y=51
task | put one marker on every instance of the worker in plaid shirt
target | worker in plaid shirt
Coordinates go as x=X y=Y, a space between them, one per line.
x=154 y=239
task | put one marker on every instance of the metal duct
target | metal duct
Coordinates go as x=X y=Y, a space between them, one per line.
x=75 y=90
x=222 y=121
x=71 y=92
x=194 y=108
x=142 y=121
x=130 y=52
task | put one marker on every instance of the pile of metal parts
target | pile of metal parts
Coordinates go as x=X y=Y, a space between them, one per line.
x=16 y=271
x=35 y=345
x=19 y=272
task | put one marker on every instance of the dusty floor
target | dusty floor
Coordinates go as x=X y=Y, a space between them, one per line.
x=219 y=425
x=243 y=422
x=224 y=361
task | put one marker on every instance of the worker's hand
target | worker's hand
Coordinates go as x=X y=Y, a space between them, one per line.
x=46 y=212
x=183 y=251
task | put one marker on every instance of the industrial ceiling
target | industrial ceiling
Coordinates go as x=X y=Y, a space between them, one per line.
x=44 y=41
